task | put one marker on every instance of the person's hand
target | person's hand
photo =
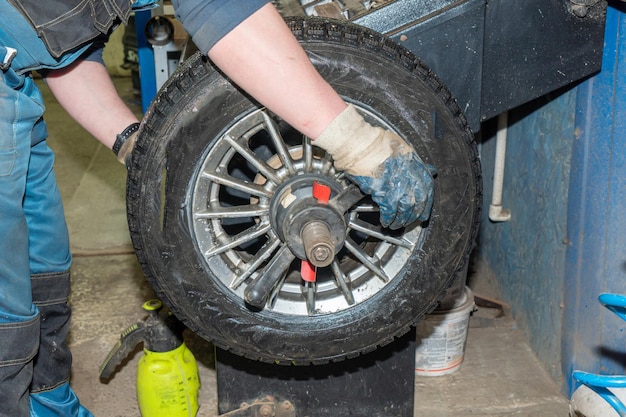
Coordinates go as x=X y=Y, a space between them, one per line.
x=125 y=143
x=404 y=190
x=383 y=165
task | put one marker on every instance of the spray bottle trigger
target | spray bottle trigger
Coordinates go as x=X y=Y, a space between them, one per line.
x=129 y=339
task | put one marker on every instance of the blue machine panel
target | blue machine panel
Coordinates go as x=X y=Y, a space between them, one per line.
x=594 y=338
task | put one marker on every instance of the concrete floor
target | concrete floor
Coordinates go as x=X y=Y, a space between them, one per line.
x=499 y=377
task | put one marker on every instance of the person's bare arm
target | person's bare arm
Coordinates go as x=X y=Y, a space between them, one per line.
x=86 y=92
x=277 y=72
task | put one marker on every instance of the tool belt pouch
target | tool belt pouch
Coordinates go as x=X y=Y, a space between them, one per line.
x=64 y=25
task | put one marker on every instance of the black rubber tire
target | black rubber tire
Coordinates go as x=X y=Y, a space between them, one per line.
x=195 y=107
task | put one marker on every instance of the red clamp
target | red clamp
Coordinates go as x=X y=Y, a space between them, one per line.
x=321 y=193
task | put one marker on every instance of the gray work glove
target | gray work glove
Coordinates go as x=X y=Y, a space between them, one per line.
x=125 y=143
x=382 y=164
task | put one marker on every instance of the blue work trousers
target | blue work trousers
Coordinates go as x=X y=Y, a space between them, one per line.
x=34 y=243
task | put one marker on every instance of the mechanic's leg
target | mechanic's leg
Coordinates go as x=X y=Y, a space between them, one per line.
x=19 y=345
x=51 y=394
x=50 y=259
x=19 y=319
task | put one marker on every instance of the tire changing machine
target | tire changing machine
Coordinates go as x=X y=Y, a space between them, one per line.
x=379 y=384
x=493 y=56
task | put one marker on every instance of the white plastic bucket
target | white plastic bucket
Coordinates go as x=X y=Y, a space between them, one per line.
x=441 y=338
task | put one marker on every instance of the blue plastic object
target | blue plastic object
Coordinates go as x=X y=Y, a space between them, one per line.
x=600 y=384
x=615 y=303
x=144 y=4
x=147 y=72
x=596 y=217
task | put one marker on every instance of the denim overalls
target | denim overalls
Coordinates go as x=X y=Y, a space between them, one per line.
x=34 y=244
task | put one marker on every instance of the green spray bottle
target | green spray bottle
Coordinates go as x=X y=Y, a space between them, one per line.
x=167 y=373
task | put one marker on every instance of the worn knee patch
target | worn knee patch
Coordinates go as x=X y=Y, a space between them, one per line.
x=19 y=345
x=53 y=363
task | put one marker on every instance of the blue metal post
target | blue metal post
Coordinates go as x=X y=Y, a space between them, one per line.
x=147 y=75
x=594 y=339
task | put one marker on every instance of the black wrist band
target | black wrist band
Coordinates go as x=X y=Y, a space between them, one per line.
x=123 y=137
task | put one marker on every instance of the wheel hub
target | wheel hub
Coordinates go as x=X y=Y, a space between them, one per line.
x=313 y=229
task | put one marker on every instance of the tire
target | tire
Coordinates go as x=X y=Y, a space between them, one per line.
x=191 y=195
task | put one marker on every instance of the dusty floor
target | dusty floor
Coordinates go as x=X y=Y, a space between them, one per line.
x=499 y=377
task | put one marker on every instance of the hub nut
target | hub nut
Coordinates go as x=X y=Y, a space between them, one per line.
x=318 y=244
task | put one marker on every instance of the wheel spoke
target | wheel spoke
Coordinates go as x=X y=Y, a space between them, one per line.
x=246 y=152
x=328 y=166
x=307 y=153
x=243 y=237
x=253 y=265
x=310 y=297
x=366 y=208
x=376 y=232
x=342 y=281
x=366 y=260
x=221 y=212
x=277 y=139
x=246 y=187
x=273 y=297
